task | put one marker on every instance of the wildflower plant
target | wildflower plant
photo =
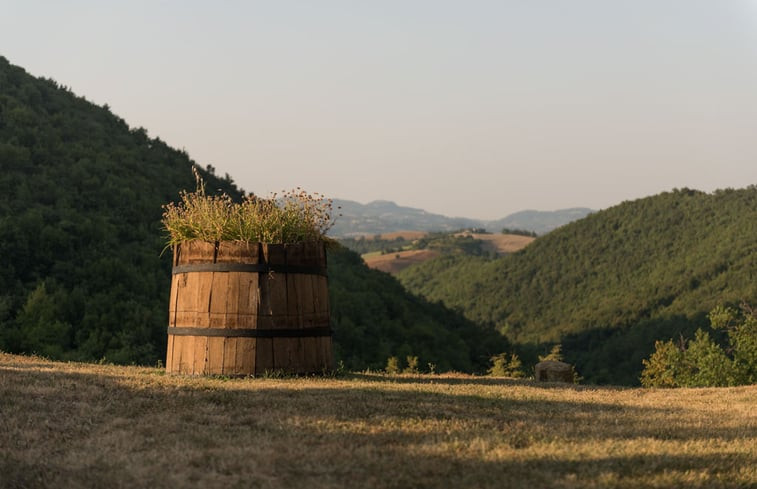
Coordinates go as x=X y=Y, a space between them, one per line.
x=293 y=216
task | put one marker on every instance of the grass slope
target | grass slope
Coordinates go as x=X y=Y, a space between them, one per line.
x=394 y=263
x=79 y=425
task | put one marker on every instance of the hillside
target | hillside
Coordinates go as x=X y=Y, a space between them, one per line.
x=383 y=216
x=540 y=222
x=394 y=263
x=374 y=318
x=498 y=243
x=608 y=285
x=76 y=425
x=81 y=271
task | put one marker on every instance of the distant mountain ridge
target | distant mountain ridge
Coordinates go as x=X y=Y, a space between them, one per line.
x=540 y=222
x=383 y=216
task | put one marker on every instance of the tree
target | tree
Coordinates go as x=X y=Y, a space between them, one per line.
x=502 y=367
x=702 y=362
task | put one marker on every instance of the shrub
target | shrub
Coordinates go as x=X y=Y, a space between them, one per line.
x=555 y=354
x=392 y=365
x=703 y=363
x=501 y=367
x=412 y=365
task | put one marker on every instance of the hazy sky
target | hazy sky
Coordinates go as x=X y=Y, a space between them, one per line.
x=472 y=108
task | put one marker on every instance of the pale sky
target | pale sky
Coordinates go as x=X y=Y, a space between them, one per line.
x=465 y=108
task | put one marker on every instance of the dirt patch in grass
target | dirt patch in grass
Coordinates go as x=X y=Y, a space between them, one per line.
x=79 y=425
x=395 y=262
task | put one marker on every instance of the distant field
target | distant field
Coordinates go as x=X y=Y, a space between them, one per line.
x=395 y=262
x=79 y=425
x=502 y=243
x=406 y=235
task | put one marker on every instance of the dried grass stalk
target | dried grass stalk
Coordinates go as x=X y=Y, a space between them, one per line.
x=295 y=216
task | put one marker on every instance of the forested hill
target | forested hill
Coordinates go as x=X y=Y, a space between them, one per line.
x=80 y=203
x=81 y=275
x=658 y=263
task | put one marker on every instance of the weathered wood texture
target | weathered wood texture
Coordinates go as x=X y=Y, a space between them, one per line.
x=247 y=300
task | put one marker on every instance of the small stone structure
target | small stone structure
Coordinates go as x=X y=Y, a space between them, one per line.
x=553 y=371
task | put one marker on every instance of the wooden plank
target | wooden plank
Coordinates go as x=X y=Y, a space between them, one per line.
x=191 y=252
x=280 y=354
x=325 y=357
x=227 y=252
x=172 y=300
x=184 y=346
x=184 y=300
x=322 y=298
x=310 y=355
x=247 y=293
x=203 y=286
x=227 y=356
x=273 y=290
x=244 y=361
x=169 y=354
x=307 y=298
x=218 y=313
x=214 y=355
x=264 y=356
x=247 y=284
x=176 y=352
x=294 y=257
x=232 y=299
x=304 y=350
x=200 y=352
x=175 y=254
x=289 y=354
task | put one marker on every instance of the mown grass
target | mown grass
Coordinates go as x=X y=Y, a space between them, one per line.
x=80 y=425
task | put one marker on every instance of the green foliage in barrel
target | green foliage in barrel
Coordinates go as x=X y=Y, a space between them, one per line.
x=292 y=217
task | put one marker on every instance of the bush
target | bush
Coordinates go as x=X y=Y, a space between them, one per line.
x=392 y=365
x=703 y=363
x=555 y=354
x=502 y=367
x=412 y=365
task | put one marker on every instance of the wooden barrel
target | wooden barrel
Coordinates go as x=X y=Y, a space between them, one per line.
x=241 y=308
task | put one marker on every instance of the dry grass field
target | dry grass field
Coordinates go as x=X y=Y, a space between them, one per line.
x=502 y=243
x=396 y=262
x=406 y=235
x=78 y=425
